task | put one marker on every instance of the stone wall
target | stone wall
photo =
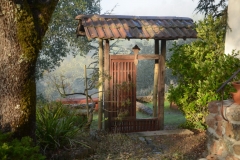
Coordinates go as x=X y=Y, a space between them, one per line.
x=223 y=130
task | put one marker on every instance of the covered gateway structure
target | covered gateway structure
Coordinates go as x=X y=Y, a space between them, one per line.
x=117 y=97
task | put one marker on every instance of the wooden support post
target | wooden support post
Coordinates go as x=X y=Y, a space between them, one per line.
x=86 y=89
x=100 y=89
x=106 y=84
x=155 y=83
x=161 y=85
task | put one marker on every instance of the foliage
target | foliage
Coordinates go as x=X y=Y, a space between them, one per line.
x=211 y=7
x=201 y=68
x=71 y=71
x=60 y=39
x=57 y=125
x=215 y=8
x=15 y=149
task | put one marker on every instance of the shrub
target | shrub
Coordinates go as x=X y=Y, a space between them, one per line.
x=57 y=126
x=201 y=68
x=15 y=149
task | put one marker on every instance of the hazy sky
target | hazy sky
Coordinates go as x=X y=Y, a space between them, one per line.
x=179 y=8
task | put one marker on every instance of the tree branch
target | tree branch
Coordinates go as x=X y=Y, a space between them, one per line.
x=42 y=11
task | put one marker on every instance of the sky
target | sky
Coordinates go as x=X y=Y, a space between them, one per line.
x=179 y=8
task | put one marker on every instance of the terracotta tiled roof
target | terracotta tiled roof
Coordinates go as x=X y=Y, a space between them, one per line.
x=135 y=27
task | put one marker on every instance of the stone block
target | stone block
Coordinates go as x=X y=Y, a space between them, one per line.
x=211 y=136
x=218 y=117
x=236 y=149
x=233 y=113
x=217 y=147
x=213 y=107
x=222 y=148
x=231 y=157
x=214 y=147
x=219 y=130
x=227 y=102
x=228 y=130
x=212 y=157
x=210 y=121
x=236 y=131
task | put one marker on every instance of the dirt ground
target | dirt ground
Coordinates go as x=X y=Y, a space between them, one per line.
x=181 y=147
x=104 y=146
x=165 y=147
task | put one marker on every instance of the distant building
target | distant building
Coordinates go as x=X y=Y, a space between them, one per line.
x=233 y=37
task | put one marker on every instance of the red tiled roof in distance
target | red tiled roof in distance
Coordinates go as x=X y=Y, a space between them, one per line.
x=135 y=27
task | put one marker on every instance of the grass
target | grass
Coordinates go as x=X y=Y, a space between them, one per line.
x=94 y=124
x=140 y=115
x=171 y=116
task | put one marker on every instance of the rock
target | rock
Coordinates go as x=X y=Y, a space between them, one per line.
x=142 y=139
x=144 y=98
x=144 y=109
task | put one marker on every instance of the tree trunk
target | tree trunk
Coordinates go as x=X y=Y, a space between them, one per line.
x=22 y=26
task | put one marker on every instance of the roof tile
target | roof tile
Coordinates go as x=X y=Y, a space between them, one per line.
x=135 y=27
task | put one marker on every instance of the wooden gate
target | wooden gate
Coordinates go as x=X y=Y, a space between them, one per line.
x=122 y=106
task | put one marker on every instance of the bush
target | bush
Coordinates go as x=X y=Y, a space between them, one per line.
x=15 y=149
x=57 y=126
x=201 y=68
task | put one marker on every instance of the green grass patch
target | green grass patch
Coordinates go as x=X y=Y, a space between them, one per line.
x=94 y=124
x=171 y=116
x=166 y=105
x=140 y=115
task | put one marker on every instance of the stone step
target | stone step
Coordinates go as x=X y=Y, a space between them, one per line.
x=162 y=132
